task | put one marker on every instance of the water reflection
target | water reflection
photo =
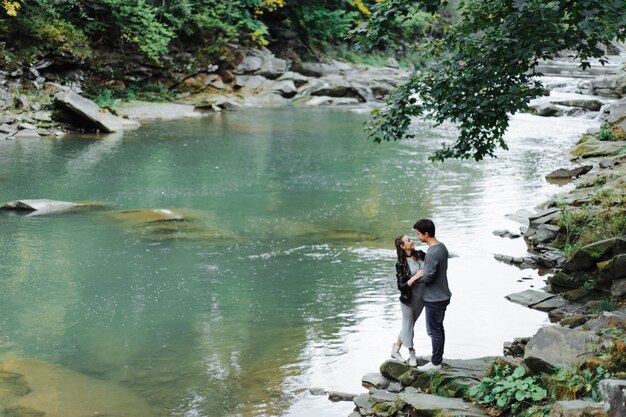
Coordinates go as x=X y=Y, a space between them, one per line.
x=277 y=277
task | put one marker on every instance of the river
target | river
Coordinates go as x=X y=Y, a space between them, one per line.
x=282 y=280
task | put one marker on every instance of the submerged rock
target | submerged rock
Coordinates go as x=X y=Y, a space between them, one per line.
x=167 y=224
x=56 y=391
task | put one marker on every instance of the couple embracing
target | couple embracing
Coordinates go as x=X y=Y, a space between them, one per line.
x=423 y=284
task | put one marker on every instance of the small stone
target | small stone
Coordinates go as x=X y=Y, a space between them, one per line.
x=336 y=396
x=317 y=391
x=43 y=132
x=607 y=163
x=5 y=128
x=395 y=387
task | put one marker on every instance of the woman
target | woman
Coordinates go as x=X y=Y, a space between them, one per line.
x=409 y=262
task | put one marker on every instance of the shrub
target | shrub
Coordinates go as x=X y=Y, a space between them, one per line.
x=608 y=132
x=574 y=383
x=508 y=389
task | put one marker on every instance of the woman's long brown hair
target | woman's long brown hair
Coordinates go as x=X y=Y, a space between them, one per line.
x=402 y=256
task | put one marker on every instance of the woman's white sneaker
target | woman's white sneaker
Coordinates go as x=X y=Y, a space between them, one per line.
x=395 y=353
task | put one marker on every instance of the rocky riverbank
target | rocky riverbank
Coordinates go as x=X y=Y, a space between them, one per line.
x=574 y=368
x=47 y=100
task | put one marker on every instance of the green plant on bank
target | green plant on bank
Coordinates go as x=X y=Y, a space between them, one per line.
x=615 y=357
x=508 y=389
x=608 y=132
x=515 y=392
x=375 y=58
x=603 y=218
x=108 y=98
x=574 y=383
x=605 y=304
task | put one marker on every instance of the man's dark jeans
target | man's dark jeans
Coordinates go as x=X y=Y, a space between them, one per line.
x=435 y=312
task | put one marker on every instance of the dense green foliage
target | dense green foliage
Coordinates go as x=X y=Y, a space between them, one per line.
x=509 y=389
x=518 y=392
x=601 y=217
x=482 y=69
x=31 y=29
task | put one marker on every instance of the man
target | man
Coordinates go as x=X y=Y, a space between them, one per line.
x=436 y=293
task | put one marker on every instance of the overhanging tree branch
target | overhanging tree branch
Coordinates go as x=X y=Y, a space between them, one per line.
x=482 y=70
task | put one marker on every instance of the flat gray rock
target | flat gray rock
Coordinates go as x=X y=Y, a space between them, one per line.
x=380 y=395
x=375 y=380
x=433 y=403
x=41 y=205
x=551 y=304
x=576 y=408
x=529 y=297
x=89 y=112
x=37 y=207
x=336 y=396
x=138 y=111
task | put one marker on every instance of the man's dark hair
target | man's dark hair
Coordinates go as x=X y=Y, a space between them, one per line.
x=425 y=226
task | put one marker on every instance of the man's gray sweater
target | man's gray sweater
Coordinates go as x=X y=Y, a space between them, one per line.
x=436 y=274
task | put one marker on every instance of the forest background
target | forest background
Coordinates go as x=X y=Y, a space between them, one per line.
x=208 y=29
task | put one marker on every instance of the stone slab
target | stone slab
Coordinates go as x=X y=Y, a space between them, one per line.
x=529 y=297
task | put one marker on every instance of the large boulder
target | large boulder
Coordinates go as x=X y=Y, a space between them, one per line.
x=83 y=112
x=593 y=147
x=561 y=280
x=610 y=85
x=556 y=347
x=613 y=269
x=315 y=69
x=618 y=288
x=392 y=369
x=566 y=173
x=613 y=393
x=285 y=88
x=592 y=104
x=587 y=257
x=339 y=88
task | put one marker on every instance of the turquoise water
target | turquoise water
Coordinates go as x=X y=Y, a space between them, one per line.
x=277 y=276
